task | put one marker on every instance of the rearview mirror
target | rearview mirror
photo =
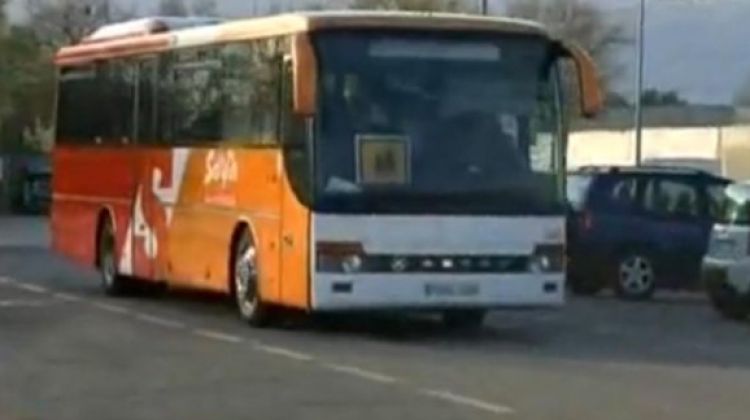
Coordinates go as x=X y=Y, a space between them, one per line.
x=591 y=95
x=305 y=76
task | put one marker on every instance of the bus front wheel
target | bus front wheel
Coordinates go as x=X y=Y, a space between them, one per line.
x=464 y=319
x=245 y=282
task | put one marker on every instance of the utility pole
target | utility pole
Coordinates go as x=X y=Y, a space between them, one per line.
x=485 y=7
x=639 y=84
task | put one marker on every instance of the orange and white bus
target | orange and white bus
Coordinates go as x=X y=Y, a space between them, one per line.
x=331 y=161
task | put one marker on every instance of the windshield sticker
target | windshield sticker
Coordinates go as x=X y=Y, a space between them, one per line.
x=383 y=159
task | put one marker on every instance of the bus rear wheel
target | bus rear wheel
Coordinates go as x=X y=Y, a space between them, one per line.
x=245 y=282
x=113 y=283
x=464 y=319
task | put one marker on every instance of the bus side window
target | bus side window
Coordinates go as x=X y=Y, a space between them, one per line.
x=147 y=118
x=250 y=92
x=76 y=106
x=113 y=123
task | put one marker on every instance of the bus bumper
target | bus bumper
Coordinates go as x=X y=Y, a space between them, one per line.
x=341 y=292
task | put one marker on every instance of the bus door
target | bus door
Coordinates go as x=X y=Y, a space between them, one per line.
x=148 y=227
x=295 y=218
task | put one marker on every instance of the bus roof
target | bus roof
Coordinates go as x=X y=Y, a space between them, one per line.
x=153 y=35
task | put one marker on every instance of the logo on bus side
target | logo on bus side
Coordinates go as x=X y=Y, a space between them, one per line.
x=222 y=172
x=221 y=167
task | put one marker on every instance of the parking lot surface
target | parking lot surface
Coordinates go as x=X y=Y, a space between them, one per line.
x=67 y=352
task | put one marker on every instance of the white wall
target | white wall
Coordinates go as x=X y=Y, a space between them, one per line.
x=725 y=150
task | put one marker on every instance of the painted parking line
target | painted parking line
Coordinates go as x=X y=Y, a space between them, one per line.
x=283 y=352
x=159 y=321
x=33 y=288
x=465 y=401
x=21 y=303
x=115 y=309
x=362 y=373
x=67 y=297
x=217 y=335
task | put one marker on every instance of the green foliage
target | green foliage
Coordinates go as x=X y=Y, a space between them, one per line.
x=26 y=84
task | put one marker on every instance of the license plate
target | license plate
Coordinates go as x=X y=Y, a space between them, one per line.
x=451 y=290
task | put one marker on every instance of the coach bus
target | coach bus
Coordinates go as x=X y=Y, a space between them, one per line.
x=326 y=162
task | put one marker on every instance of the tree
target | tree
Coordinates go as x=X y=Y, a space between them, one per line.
x=578 y=21
x=64 y=22
x=616 y=100
x=655 y=97
x=26 y=86
x=173 y=8
x=415 y=5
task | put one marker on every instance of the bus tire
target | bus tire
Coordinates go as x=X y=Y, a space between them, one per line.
x=245 y=281
x=464 y=319
x=112 y=282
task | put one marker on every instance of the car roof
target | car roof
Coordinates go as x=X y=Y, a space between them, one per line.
x=659 y=170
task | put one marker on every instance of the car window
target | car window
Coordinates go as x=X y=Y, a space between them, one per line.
x=673 y=198
x=622 y=195
x=716 y=198
x=578 y=186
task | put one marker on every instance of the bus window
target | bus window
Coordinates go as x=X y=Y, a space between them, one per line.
x=77 y=96
x=221 y=94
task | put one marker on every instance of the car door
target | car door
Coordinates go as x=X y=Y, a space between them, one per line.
x=677 y=225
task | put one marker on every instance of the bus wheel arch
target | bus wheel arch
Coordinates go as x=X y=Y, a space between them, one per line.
x=113 y=283
x=244 y=276
x=104 y=217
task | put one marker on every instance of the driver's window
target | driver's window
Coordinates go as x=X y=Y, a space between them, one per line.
x=544 y=129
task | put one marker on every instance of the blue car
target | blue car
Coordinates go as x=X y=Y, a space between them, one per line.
x=639 y=229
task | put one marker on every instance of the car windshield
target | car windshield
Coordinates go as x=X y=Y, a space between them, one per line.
x=421 y=122
x=576 y=189
x=736 y=206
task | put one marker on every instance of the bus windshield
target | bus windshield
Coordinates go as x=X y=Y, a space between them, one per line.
x=438 y=123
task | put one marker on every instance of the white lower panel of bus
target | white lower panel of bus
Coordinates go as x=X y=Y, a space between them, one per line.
x=436 y=236
x=431 y=291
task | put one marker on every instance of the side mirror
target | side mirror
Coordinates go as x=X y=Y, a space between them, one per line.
x=305 y=74
x=591 y=95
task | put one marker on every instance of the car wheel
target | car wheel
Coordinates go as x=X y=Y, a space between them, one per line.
x=464 y=319
x=245 y=282
x=729 y=303
x=636 y=277
x=113 y=283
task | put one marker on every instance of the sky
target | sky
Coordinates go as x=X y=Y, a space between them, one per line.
x=700 y=48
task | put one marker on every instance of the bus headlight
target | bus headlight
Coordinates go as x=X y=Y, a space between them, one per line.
x=339 y=257
x=352 y=264
x=547 y=259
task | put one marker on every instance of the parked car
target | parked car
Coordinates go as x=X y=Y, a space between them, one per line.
x=726 y=267
x=639 y=229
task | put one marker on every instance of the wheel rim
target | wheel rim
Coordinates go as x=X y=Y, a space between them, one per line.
x=245 y=279
x=636 y=275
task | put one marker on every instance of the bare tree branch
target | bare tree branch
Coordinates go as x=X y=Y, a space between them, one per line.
x=61 y=22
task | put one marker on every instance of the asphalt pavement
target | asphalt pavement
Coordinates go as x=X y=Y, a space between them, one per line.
x=67 y=352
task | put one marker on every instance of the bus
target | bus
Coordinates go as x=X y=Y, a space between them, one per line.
x=323 y=161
